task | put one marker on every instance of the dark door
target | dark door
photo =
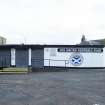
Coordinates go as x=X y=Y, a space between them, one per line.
x=37 y=58
x=21 y=58
x=5 y=58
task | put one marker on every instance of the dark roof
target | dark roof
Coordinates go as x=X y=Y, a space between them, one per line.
x=35 y=46
x=20 y=46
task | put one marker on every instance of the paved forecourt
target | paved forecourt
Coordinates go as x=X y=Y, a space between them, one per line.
x=77 y=87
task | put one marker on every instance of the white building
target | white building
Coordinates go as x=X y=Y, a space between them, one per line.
x=75 y=56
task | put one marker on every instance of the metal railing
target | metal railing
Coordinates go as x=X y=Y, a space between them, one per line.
x=49 y=62
x=49 y=65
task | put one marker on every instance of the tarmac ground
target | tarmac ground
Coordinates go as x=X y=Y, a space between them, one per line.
x=76 y=87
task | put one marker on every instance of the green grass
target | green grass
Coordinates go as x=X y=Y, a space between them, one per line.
x=14 y=70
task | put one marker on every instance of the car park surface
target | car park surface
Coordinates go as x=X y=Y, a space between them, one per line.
x=75 y=87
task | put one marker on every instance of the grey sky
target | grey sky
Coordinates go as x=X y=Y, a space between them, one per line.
x=51 y=21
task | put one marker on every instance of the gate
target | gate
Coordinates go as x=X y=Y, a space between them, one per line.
x=37 y=59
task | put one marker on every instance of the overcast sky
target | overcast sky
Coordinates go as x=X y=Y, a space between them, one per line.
x=51 y=21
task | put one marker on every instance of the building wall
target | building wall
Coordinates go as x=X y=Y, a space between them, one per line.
x=39 y=57
x=5 y=57
x=20 y=57
x=104 y=56
x=62 y=59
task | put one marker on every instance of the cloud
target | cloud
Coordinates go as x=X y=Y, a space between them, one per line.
x=51 y=21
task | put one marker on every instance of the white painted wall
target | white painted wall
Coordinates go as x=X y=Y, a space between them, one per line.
x=13 y=57
x=90 y=59
x=29 y=56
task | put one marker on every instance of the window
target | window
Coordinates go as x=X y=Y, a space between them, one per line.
x=53 y=52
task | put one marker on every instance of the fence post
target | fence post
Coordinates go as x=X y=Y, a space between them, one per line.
x=49 y=63
x=65 y=64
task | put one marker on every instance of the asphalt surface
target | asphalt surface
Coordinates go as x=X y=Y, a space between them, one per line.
x=77 y=87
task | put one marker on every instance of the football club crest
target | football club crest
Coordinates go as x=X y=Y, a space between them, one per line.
x=76 y=59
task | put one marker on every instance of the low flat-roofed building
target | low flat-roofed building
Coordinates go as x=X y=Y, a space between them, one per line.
x=39 y=56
